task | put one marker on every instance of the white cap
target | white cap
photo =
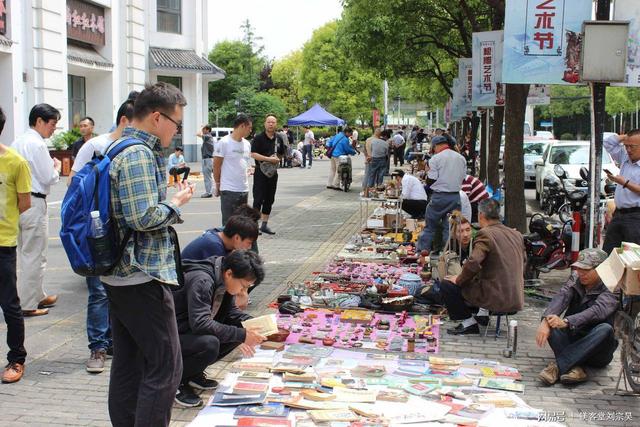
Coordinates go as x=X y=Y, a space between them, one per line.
x=95 y=214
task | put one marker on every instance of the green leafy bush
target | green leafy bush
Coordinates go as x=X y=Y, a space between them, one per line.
x=567 y=137
x=64 y=140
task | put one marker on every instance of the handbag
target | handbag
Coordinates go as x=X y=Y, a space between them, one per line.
x=268 y=169
x=331 y=149
x=449 y=263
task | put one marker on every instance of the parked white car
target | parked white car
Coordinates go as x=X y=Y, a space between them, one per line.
x=571 y=155
x=533 y=151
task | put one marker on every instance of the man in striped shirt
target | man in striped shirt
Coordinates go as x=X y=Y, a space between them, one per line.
x=476 y=191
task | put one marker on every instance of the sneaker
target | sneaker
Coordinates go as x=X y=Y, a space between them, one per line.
x=550 y=374
x=308 y=167
x=461 y=330
x=13 y=372
x=266 y=229
x=185 y=396
x=95 y=364
x=482 y=320
x=203 y=383
x=574 y=376
x=206 y=195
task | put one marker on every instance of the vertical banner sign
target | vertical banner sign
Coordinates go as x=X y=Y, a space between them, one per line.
x=457 y=101
x=487 y=68
x=376 y=118
x=465 y=77
x=447 y=112
x=543 y=40
x=3 y=17
x=629 y=10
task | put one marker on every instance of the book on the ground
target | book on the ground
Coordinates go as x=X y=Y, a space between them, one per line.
x=328 y=415
x=352 y=395
x=221 y=398
x=241 y=366
x=501 y=384
x=266 y=325
x=307 y=377
x=263 y=422
x=264 y=410
x=245 y=387
x=257 y=377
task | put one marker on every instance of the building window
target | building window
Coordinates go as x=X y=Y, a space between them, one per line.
x=77 y=100
x=169 y=16
x=177 y=82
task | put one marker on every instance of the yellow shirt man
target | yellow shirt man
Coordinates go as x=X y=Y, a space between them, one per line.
x=15 y=180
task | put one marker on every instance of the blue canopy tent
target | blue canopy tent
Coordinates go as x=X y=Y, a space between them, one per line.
x=316 y=116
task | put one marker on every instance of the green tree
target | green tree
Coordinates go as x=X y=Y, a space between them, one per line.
x=285 y=76
x=330 y=76
x=241 y=65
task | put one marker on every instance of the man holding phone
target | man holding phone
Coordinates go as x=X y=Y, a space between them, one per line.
x=625 y=150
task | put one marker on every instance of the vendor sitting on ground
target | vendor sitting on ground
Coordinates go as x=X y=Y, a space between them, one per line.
x=414 y=197
x=492 y=277
x=584 y=336
x=209 y=322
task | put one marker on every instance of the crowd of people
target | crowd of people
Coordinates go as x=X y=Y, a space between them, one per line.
x=181 y=312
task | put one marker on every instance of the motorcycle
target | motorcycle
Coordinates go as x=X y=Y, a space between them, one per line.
x=548 y=246
x=344 y=171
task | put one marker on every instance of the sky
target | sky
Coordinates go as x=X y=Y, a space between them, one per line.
x=284 y=25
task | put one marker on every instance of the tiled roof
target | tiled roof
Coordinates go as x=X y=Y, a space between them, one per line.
x=182 y=60
x=87 y=56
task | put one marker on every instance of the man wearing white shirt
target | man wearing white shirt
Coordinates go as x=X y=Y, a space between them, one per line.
x=230 y=163
x=34 y=222
x=414 y=197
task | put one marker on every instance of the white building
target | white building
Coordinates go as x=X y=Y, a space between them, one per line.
x=84 y=57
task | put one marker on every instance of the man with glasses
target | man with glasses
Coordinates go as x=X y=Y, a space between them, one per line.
x=141 y=307
x=209 y=321
x=625 y=151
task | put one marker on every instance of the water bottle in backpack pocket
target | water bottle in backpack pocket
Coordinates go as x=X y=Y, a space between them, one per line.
x=100 y=242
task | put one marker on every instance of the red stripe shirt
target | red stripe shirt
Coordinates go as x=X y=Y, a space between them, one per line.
x=474 y=188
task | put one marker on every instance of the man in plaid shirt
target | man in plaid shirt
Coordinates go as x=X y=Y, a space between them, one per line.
x=139 y=288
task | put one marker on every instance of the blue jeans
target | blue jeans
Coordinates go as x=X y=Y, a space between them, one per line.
x=593 y=347
x=98 y=328
x=439 y=207
x=307 y=150
x=377 y=169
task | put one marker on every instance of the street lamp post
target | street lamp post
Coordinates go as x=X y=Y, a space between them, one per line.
x=304 y=102
x=373 y=111
x=237 y=104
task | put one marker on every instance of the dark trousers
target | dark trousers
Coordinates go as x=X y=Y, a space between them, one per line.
x=200 y=351
x=10 y=304
x=415 y=208
x=377 y=169
x=454 y=301
x=593 y=347
x=229 y=202
x=398 y=155
x=623 y=227
x=147 y=366
x=264 y=191
x=177 y=171
x=307 y=150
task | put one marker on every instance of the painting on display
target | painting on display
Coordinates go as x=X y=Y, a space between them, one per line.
x=629 y=10
x=543 y=40
x=488 y=90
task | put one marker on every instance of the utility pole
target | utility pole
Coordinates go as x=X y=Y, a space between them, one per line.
x=598 y=117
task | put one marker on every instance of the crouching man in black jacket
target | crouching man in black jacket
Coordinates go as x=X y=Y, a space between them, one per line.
x=209 y=322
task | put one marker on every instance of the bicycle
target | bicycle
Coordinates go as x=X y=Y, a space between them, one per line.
x=627 y=330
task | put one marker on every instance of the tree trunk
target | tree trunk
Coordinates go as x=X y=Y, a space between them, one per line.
x=483 y=145
x=515 y=207
x=493 y=174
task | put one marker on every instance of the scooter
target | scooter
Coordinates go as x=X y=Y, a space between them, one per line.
x=548 y=246
x=344 y=171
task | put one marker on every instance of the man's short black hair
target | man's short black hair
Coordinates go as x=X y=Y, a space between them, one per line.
x=398 y=172
x=43 y=111
x=207 y=128
x=179 y=148
x=244 y=265
x=633 y=132
x=348 y=130
x=126 y=109
x=3 y=120
x=248 y=211
x=490 y=208
x=161 y=97
x=241 y=119
x=242 y=226
x=89 y=119
x=285 y=126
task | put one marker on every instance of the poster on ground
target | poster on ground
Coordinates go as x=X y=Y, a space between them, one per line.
x=629 y=10
x=542 y=40
x=487 y=69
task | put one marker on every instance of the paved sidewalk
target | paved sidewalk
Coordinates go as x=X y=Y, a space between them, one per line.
x=312 y=223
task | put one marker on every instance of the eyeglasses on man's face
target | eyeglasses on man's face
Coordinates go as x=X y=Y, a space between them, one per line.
x=178 y=124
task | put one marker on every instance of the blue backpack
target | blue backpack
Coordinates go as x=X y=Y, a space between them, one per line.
x=90 y=190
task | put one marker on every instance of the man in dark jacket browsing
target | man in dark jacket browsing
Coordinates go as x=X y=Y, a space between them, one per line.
x=584 y=336
x=209 y=322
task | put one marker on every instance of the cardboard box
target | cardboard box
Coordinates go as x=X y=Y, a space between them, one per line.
x=390 y=221
x=614 y=273
x=375 y=223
